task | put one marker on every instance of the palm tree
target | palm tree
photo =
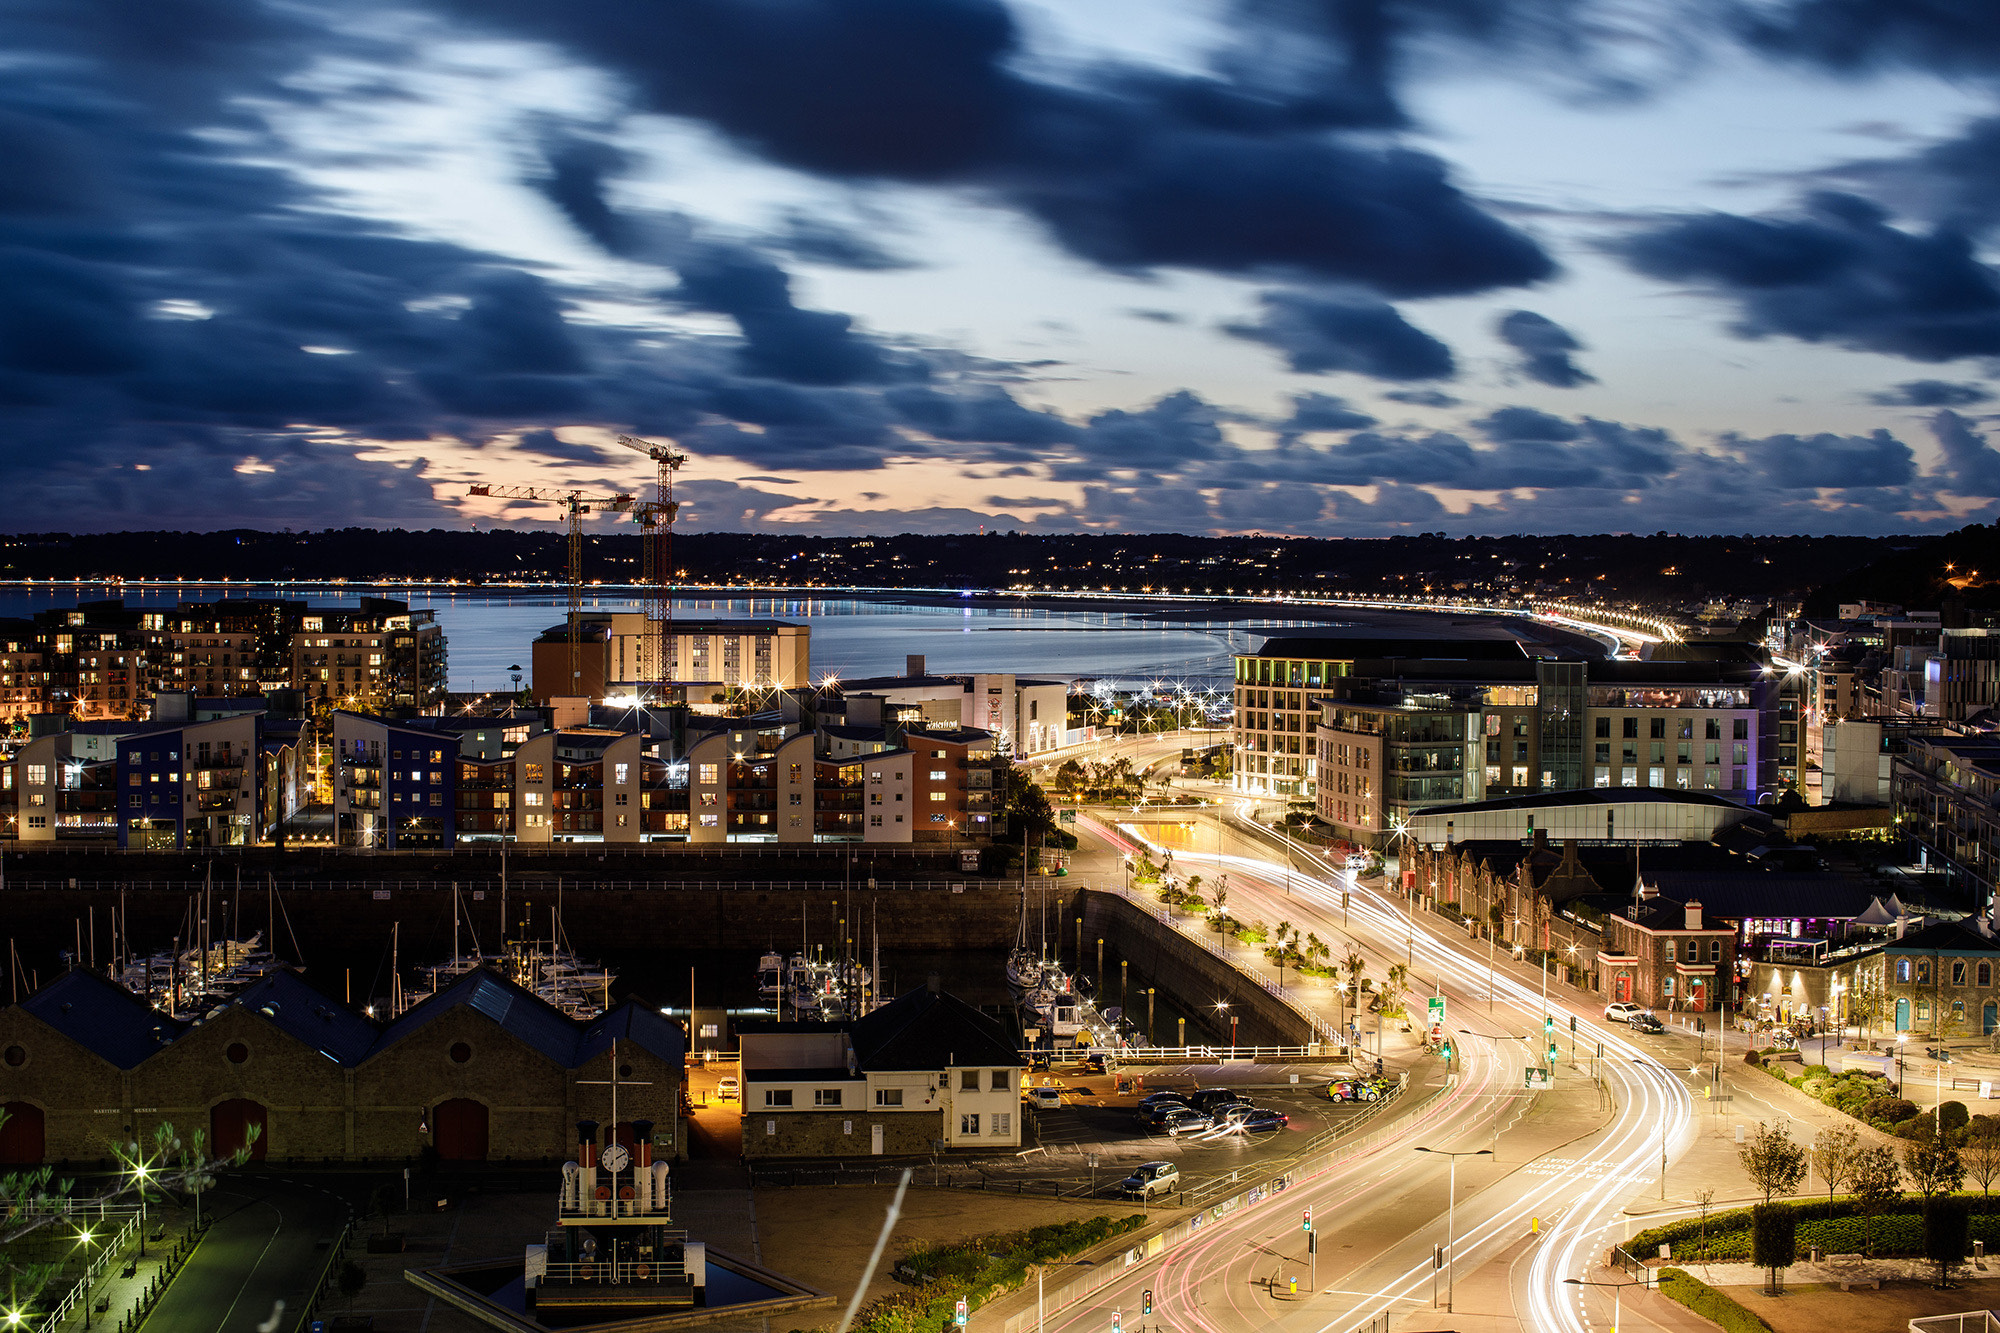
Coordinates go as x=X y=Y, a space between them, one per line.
x=1313 y=946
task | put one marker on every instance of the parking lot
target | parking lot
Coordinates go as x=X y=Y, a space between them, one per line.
x=1094 y=1141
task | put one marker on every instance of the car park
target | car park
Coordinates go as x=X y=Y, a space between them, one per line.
x=1151 y=1178
x=1645 y=1023
x=1045 y=1099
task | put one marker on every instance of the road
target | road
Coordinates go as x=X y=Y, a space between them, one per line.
x=265 y=1244
x=1539 y=1210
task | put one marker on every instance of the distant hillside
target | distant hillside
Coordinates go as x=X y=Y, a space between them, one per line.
x=1962 y=566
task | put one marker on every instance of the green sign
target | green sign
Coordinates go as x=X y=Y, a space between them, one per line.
x=1068 y=816
x=1437 y=1008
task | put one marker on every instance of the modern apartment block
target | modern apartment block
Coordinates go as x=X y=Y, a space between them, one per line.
x=1945 y=794
x=1025 y=716
x=1397 y=735
x=724 y=655
x=102 y=660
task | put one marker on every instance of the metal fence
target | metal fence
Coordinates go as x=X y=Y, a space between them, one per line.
x=91 y=1272
x=1106 y=1272
x=328 y=1275
x=1972 y=1321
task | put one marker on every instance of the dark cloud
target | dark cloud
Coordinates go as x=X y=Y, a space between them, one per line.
x=1931 y=393
x=1839 y=273
x=1793 y=462
x=779 y=339
x=1422 y=397
x=1970 y=463
x=1155 y=316
x=1545 y=348
x=1526 y=423
x=572 y=174
x=1943 y=36
x=1322 y=412
x=985 y=415
x=545 y=444
x=1177 y=430
x=1319 y=335
x=1128 y=167
x=818 y=240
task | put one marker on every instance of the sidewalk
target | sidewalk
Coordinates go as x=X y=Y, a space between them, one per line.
x=127 y=1286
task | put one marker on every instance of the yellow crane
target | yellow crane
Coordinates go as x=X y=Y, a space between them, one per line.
x=656 y=521
x=578 y=506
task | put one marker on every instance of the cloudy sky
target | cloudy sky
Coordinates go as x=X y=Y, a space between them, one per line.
x=1330 y=267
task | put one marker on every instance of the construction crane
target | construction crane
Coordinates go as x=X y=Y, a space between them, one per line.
x=579 y=506
x=656 y=521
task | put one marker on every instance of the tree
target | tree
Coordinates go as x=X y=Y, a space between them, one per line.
x=1774 y=1242
x=1354 y=965
x=1393 y=985
x=1773 y=1162
x=33 y=1199
x=1981 y=1155
x=1221 y=904
x=1834 y=1153
x=1877 y=1183
x=1945 y=1231
x=1933 y=1163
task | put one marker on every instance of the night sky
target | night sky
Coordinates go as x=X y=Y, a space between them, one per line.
x=1328 y=267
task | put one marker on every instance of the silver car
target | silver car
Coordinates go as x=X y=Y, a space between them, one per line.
x=1151 y=1178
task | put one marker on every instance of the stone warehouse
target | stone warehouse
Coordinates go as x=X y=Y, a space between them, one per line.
x=480 y=1071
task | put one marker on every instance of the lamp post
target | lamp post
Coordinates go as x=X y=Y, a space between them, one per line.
x=1663 y=1133
x=1451 y=1219
x=1222 y=1007
x=1617 y=1296
x=1149 y=1015
x=86 y=1239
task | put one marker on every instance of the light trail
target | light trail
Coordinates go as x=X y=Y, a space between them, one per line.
x=1577 y=1206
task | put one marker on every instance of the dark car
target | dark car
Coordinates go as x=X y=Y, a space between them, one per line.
x=1156 y=1099
x=1262 y=1119
x=1214 y=1099
x=1646 y=1023
x=1185 y=1120
x=1152 y=1116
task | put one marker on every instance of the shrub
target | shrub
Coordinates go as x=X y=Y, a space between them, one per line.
x=1953 y=1117
x=1709 y=1303
x=1885 y=1111
x=979 y=1269
x=352 y=1278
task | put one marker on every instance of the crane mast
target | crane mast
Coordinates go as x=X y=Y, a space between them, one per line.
x=656 y=522
x=578 y=506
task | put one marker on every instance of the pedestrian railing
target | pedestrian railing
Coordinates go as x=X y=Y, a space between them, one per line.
x=1972 y=1321
x=328 y=1275
x=393 y=886
x=91 y=1272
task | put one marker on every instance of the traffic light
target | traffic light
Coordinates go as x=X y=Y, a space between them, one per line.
x=1572 y=1024
x=1549 y=1026
x=1117 y=1322
x=1306 y=1220
x=1149 y=1300
x=1445 y=1050
x=1552 y=1052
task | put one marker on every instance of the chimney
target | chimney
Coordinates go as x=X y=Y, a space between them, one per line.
x=1694 y=914
x=913 y=664
x=1541 y=839
x=586 y=1143
x=642 y=1139
x=1899 y=927
x=933 y=982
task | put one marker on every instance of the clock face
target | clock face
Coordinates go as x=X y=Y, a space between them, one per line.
x=616 y=1159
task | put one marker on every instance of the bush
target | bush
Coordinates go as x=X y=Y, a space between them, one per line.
x=1953 y=1117
x=1709 y=1303
x=1885 y=1111
x=352 y=1278
x=1774 y=1236
x=980 y=1269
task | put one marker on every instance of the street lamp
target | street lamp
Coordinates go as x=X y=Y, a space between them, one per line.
x=1222 y=1007
x=86 y=1239
x=1451 y=1219
x=1617 y=1295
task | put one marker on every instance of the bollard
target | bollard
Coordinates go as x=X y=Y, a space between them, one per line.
x=1295 y=1286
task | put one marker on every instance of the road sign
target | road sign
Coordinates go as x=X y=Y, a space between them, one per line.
x=1436 y=1003
x=1537 y=1077
x=960 y=1318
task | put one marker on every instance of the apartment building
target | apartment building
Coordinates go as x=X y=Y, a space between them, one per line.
x=1399 y=735
x=379 y=656
x=190 y=784
x=1025 y=716
x=394 y=786
x=724 y=655
x=1944 y=792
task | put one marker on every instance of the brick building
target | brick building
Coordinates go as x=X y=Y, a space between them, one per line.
x=483 y=1070
x=1667 y=955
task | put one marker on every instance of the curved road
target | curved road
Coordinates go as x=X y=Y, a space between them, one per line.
x=266 y=1243
x=1560 y=1161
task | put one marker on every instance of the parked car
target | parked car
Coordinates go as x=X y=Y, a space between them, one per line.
x=1045 y=1099
x=1622 y=1012
x=1645 y=1023
x=1094 y=1061
x=1151 y=1178
x=1359 y=1089
x=1213 y=1099
x=1263 y=1119
x=1182 y=1120
x=1153 y=1099
x=728 y=1089
x=1233 y=1114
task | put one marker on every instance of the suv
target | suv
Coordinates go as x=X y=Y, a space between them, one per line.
x=1212 y=1100
x=1151 y=1178
x=1622 y=1013
x=1045 y=1099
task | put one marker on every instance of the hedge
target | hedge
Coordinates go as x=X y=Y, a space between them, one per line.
x=1832 y=1228
x=979 y=1270
x=1709 y=1303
